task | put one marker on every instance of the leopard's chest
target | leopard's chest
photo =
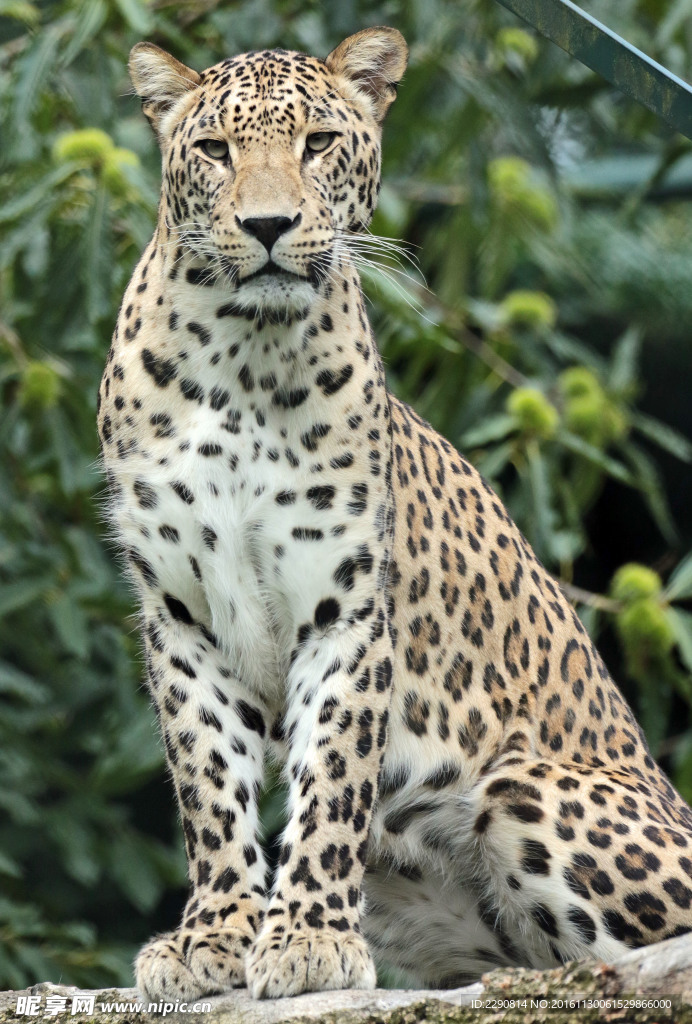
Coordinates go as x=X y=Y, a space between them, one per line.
x=239 y=561
x=244 y=520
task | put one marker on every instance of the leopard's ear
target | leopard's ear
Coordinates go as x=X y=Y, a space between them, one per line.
x=374 y=61
x=159 y=79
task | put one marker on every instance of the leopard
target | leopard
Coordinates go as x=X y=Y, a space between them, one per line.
x=325 y=584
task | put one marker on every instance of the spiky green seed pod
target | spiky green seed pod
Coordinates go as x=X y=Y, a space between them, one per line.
x=88 y=145
x=633 y=581
x=534 y=413
x=39 y=386
x=529 y=309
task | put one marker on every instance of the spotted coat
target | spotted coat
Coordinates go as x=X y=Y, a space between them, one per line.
x=323 y=578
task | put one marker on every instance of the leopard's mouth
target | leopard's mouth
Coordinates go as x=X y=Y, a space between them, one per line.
x=273 y=270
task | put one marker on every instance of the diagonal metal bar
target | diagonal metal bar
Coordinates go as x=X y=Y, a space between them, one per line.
x=605 y=52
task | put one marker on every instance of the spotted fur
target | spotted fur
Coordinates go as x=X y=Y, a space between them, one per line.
x=324 y=577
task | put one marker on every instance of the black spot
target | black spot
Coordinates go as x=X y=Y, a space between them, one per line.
x=250 y=716
x=162 y=370
x=303 y=874
x=286 y=399
x=327 y=612
x=583 y=922
x=310 y=438
x=321 y=497
x=525 y=812
x=147 y=571
x=313 y=918
x=679 y=893
x=226 y=880
x=208 y=450
x=195 y=328
x=199 y=276
x=564 y=832
x=183 y=666
x=191 y=390
x=246 y=379
x=183 y=492
x=481 y=823
x=445 y=776
x=218 y=398
x=331 y=382
x=575 y=883
x=145 y=494
x=620 y=929
x=306 y=533
x=545 y=920
x=209 y=537
x=211 y=840
x=536 y=857
x=178 y=610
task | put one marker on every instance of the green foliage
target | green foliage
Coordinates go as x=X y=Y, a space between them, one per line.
x=533 y=413
x=532 y=193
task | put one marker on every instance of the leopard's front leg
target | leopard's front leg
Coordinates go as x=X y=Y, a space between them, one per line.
x=214 y=734
x=336 y=724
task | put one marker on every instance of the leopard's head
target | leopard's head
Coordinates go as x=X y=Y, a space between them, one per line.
x=271 y=159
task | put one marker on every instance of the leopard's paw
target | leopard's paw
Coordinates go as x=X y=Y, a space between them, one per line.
x=314 y=961
x=188 y=964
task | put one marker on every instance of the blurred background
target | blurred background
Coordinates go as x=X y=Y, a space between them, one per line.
x=551 y=219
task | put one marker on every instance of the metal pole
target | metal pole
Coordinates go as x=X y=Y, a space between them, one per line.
x=609 y=55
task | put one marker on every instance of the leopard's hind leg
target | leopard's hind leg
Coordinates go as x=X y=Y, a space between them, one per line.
x=538 y=864
x=579 y=861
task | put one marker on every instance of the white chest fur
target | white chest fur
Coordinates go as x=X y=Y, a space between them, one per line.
x=241 y=499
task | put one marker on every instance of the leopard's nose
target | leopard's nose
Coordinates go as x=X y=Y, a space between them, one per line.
x=268 y=229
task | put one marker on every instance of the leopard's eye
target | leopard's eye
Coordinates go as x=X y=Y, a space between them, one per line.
x=319 y=141
x=214 y=148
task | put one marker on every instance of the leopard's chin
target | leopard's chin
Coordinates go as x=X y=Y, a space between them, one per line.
x=275 y=292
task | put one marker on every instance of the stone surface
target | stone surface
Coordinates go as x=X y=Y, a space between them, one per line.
x=583 y=992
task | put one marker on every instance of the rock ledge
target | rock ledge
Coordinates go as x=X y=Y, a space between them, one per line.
x=647 y=986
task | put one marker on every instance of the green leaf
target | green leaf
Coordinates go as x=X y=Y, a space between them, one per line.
x=663 y=435
x=92 y=15
x=19 y=684
x=609 y=465
x=653 y=706
x=136 y=15
x=14 y=596
x=97 y=257
x=133 y=869
x=20 y=10
x=492 y=428
x=70 y=624
x=679 y=585
x=64 y=449
x=46 y=187
x=36 y=66
x=76 y=844
x=130 y=759
x=623 y=368
x=9 y=866
x=648 y=480
x=492 y=462
x=540 y=490
x=681 y=623
x=591 y=619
